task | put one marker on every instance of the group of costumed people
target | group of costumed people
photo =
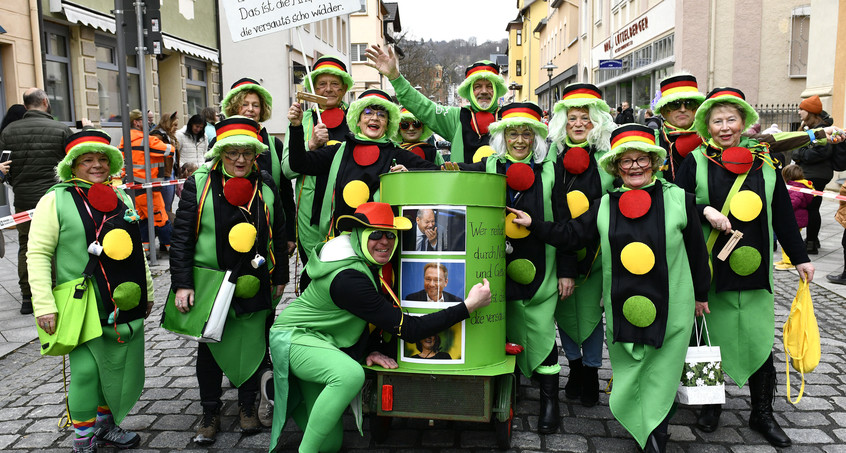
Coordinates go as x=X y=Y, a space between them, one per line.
x=592 y=220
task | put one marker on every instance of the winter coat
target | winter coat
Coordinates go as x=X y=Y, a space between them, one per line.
x=625 y=117
x=815 y=159
x=800 y=201
x=37 y=142
x=190 y=150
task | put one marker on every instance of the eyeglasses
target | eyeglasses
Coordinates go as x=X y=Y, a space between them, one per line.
x=687 y=103
x=527 y=135
x=642 y=162
x=376 y=235
x=405 y=125
x=370 y=111
x=234 y=155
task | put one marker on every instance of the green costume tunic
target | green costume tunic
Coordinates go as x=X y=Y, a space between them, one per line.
x=646 y=352
x=453 y=123
x=119 y=352
x=579 y=314
x=241 y=348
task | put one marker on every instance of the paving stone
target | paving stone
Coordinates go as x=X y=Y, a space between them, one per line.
x=171 y=439
x=565 y=442
x=808 y=436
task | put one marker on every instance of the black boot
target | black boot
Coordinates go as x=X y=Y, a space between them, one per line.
x=709 y=417
x=812 y=246
x=837 y=277
x=549 y=410
x=762 y=389
x=573 y=388
x=590 y=386
x=657 y=440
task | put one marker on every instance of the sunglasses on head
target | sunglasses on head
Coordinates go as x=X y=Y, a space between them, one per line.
x=687 y=103
x=376 y=235
x=405 y=125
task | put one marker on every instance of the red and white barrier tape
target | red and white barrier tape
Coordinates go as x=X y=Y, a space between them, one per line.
x=817 y=193
x=145 y=185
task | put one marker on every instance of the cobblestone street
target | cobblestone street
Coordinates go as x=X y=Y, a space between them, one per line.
x=32 y=400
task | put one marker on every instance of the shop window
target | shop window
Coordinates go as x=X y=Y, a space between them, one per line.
x=108 y=89
x=196 y=85
x=663 y=48
x=57 y=73
x=799 y=28
x=357 y=53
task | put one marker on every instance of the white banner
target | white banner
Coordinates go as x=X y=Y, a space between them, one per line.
x=251 y=18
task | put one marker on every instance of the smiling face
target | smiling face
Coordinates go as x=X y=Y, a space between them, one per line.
x=251 y=106
x=434 y=282
x=425 y=220
x=238 y=161
x=635 y=168
x=381 y=249
x=373 y=122
x=578 y=124
x=411 y=133
x=518 y=141
x=93 y=167
x=483 y=92
x=429 y=343
x=725 y=123
x=332 y=87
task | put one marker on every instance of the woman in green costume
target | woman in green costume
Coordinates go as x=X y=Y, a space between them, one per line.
x=581 y=128
x=737 y=187
x=534 y=184
x=650 y=285
x=230 y=219
x=90 y=228
x=314 y=380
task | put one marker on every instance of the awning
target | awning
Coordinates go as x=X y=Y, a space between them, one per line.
x=188 y=48
x=84 y=16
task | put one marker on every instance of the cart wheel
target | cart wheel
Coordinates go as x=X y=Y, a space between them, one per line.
x=503 y=431
x=379 y=427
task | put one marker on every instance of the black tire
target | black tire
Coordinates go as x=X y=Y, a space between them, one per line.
x=503 y=431
x=380 y=427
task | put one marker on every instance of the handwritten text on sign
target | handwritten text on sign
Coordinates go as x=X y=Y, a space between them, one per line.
x=252 y=18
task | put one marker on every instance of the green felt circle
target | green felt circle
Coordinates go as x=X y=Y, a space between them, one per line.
x=521 y=271
x=639 y=310
x=745 y=260
x=246 y=286
x=127 y=295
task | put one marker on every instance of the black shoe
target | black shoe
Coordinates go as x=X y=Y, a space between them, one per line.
x=590 y=386
x=209 y=426
x=26 y=307
x=549 y=409
x=114 y=436
x=656 y=443
x=709 y=417
x=762 y=389
x=812 y=246
x=573 y=388
x=837 y=277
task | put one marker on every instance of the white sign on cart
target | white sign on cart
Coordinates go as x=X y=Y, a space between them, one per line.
x=252 y=18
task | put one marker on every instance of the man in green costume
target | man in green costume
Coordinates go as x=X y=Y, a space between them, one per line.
x=680 y=97
x=466 y=127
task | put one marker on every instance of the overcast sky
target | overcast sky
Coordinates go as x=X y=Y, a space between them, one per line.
x=453 y=19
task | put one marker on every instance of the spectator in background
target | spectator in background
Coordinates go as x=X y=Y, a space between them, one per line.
x=211 y=117
x=626 y=115
x=191 y=141
x=794 y=176
x=651 y=120
x=38 y=143
x=14 y=113
x=151 y=123
x=166 y=132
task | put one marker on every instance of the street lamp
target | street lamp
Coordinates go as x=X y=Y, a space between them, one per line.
x=418 y=87
x=549 y=68
x=513 y=87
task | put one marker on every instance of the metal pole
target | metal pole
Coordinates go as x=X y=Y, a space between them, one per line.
x=151 y=227
x=308 y=72
x=124 y=90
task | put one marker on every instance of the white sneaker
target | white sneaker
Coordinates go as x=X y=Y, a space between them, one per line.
x=265 y=409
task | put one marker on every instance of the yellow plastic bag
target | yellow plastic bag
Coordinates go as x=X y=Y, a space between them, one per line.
x=801 y=337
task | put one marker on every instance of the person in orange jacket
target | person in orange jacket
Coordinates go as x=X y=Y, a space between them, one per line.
x=159 y=150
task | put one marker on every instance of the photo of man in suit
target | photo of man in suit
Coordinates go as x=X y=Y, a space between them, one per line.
x=435 y=279
x=426 y=236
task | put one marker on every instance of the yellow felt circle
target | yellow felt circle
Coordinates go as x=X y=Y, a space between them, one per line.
x=513 y=230
x=242 y=237
x=332 y=142
x=637 y=258
x=746 y=205
x=482 y=152
x=117 y=244
x=356 y=193
x=578 y=203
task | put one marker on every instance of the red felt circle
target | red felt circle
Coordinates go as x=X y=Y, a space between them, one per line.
x=519 y=176
x=635 y=203
x=737 y=160
x=576 y=160
x=332 y=118
x=687 y=143
x=238 y=191
x=483 y=120
x=365 y=155
x=102 y=198
x=419 y=151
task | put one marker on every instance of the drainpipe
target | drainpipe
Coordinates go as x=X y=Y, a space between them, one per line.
x=38 y=50
x=713 y=43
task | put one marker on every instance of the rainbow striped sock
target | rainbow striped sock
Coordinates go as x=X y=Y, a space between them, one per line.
x=83 y=428
x=104 y=415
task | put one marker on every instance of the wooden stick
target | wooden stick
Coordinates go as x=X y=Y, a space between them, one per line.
x=730 y=245
x=317 y=99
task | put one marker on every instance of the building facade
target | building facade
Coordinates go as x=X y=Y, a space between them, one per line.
x=559 y=38
x=20 y=51
x=524 y=49
x=375 y=23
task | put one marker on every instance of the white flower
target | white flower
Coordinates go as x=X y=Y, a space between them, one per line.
x=690 y=374
x=711 y=375
x=700 y=383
